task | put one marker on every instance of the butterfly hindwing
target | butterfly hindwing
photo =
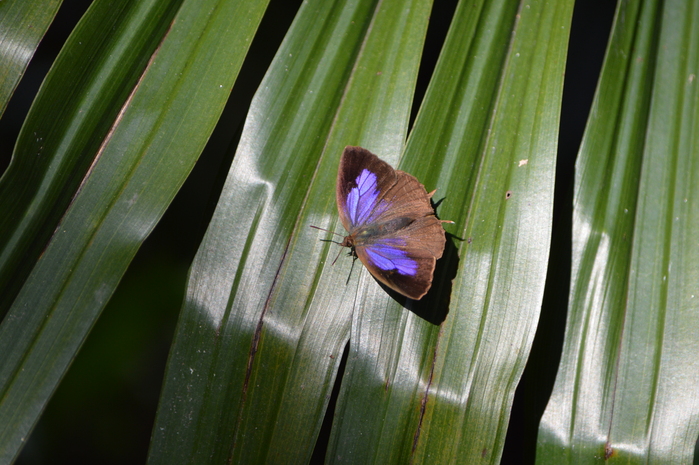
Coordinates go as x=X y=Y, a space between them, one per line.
x=405 y=261
x=390 y=221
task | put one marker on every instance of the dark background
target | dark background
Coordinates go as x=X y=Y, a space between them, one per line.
x=104 y=409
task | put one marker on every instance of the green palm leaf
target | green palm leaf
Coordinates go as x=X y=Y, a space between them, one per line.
x=61 y=136
x=267 y=315
x=627 y=384
x=271 y=332
x=22 y=25
x=275 y=328
x=136 y=170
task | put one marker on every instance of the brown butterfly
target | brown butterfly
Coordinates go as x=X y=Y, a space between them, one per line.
x=390 y=220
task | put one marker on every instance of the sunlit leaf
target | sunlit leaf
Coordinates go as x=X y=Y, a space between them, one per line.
x=486 y=138
x=267 y=315
x=266 y=318
x=628 y=384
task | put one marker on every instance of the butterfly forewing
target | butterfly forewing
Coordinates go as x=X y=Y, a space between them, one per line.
x=359 y=169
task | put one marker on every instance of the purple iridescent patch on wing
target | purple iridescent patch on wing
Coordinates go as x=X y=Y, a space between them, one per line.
x=387 y=257
x=361 y=200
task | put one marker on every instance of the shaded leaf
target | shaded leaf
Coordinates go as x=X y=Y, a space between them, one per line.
x=139 y=167
x=22 y=25
x=75 y=109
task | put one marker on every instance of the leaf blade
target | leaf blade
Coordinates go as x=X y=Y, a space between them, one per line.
x=274 y=301
x=624 y=371
x=430 y=373
x=140 y=167
x=22 y=25
x=68 y=122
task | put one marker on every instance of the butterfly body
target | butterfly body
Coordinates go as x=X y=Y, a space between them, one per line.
x=390 y=220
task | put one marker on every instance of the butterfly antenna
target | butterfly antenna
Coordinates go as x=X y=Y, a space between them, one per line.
x=326 y=230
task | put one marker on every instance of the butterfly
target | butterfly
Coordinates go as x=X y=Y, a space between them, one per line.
x=391 y=223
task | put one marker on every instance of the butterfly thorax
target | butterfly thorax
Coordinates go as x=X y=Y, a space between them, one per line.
x=369 y=232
